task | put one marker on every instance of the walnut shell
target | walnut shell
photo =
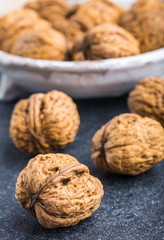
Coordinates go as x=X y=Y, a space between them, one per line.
x=54 y=11
x=77 y=52
x=142 y=5
x=109 y=41
x=47 y=44
x=44 y=123
x=16 y=21
x=22 y=28
x=96 y=12
x=146 y=26
x=128 y=144
x=58 y=190
x=147 y=99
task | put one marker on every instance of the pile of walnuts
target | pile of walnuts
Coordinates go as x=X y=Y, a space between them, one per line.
x=97 y=29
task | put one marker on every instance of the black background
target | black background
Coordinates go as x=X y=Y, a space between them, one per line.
x=132 y=207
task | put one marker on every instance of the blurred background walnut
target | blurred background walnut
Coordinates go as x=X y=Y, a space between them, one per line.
x=96 y=12
x=90 y=15
x=128 y=144
x=55 y=11
x=48 y=44
x=109 y=41
x=147 y=99
x=44 y=122
x=146 y=22
x=13 y=23
x=142 y=5
x=58 y=190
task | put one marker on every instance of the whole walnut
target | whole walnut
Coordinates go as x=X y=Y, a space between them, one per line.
x=44 y=123
x=109 y=41
x=58 y=190
x=48 y=44
x=96 y=12
x=14 y=22
x=147 y=99
x=142 y=5
x=147 y=26
x=55 y=11
x=22 y=27
x=128 y=144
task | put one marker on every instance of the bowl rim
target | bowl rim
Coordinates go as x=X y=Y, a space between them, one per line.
x=8 y=60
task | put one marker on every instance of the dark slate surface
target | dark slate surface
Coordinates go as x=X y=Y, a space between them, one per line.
x=132 y=207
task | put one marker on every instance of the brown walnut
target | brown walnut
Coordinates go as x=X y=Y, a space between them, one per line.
x=128 y=144
x=54 y=11
x=109 y=41
x=44 y=123
x=14 y=22
x=47 y=44
x=96 y=12
x=142 y=5
x=146 y=23
x=58 y=190
x=147 y=99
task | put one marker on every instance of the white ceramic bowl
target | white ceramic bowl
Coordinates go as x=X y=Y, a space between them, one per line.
x=111 y=77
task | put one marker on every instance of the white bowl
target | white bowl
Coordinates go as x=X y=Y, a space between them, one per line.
x=88 y=79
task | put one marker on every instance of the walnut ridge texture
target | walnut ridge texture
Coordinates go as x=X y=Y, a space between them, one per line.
x=44 y=123
x=128 y=144
x=147 y=99
x=48 y=44
x=58 y=190
x=146 y=23
x=109 y=41
x=54 y=11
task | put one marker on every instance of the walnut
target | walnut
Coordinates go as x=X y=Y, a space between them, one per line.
x=109 y=41
x=46 y=44
x=89 y=15
x=147 y=26
x=96 y=12
x=147 y=99
x=22 y=28
x=77 y=49
x=128 y=144
x=55 y=11
x=58 y=190
x=44 y=123
x=73 y=30
x=16 y=21
x=142 y=5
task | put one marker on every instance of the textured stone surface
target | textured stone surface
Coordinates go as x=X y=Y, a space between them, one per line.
x=131 y=209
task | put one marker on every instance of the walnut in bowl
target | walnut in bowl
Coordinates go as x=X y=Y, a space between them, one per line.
x=58 y=190
x=108 y=41
x=44 y=123
x=128 y=144
x=146 y=23
x=47 y=44
x=54 y=11
x=147 y=99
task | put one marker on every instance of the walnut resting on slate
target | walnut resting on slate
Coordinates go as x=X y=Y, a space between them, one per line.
x=44 y=123
x=58 y=190
x=128 y=144
x=147 y=99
